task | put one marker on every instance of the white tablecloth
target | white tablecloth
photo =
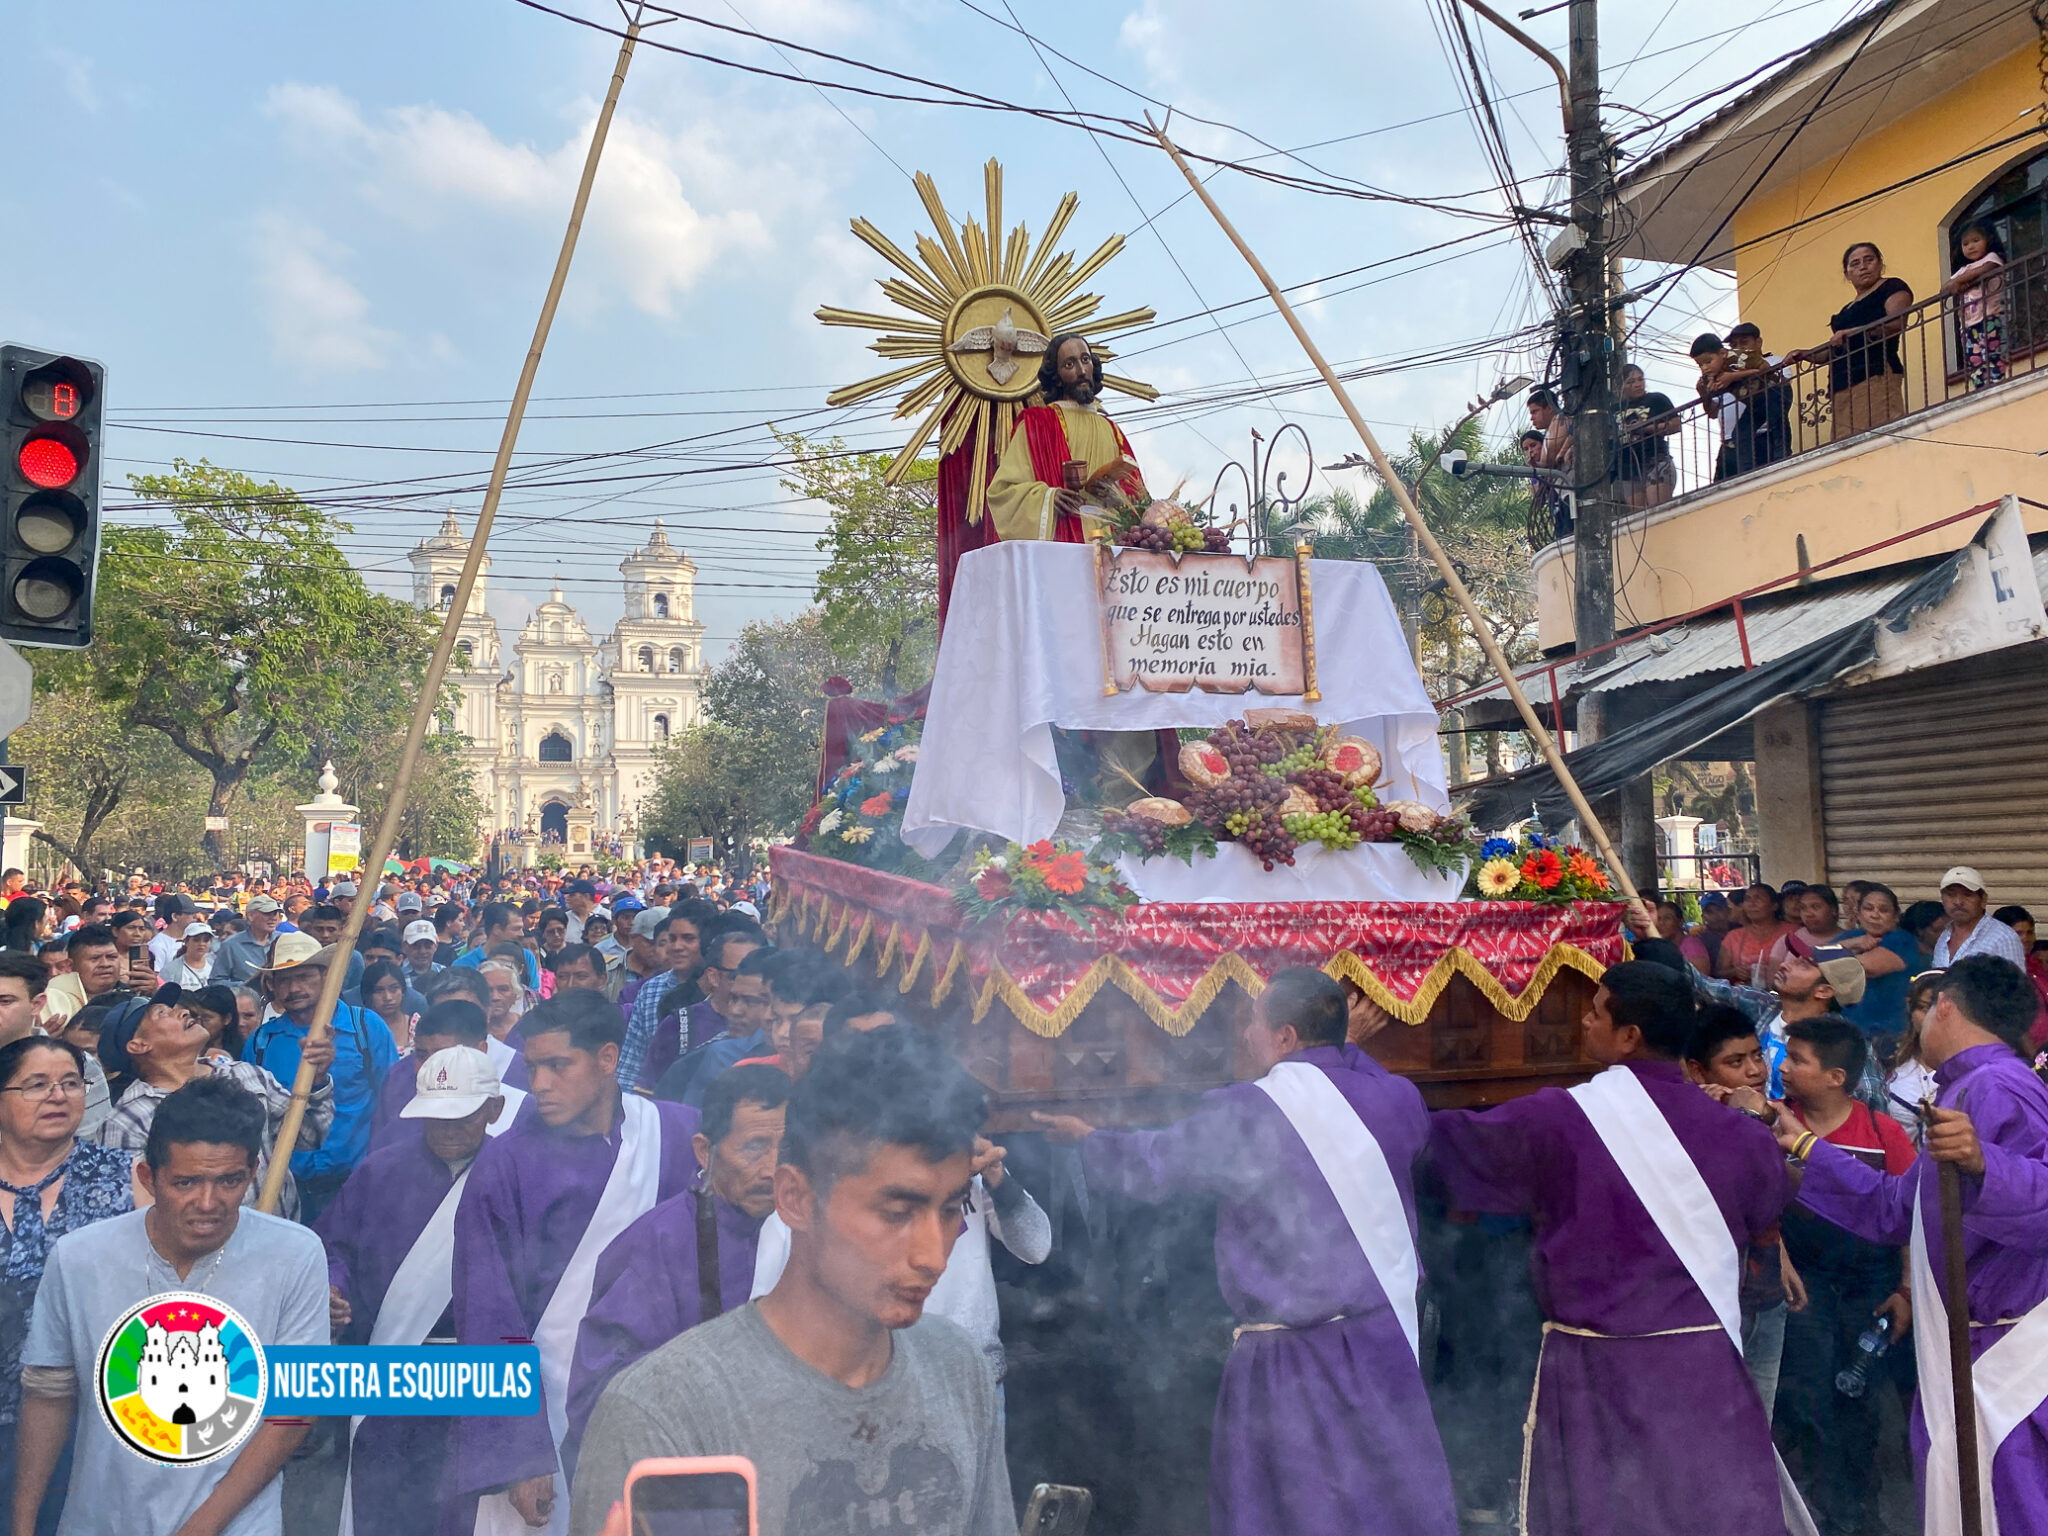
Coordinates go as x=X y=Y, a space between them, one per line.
x=1023 y=653
x=1368 y=872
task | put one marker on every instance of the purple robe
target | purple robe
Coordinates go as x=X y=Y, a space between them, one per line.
x=2005 y=1240
x=1321 y=1425
x=706 y=1024
x=531 y=1193
x=1633 y=1436
x=369 y=1228
x=646 y=1292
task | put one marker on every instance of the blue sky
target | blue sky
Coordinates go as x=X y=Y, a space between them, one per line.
x=310 y=242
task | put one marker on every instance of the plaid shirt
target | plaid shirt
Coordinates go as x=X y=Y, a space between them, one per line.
x=640 y=1027
x=127 y=1127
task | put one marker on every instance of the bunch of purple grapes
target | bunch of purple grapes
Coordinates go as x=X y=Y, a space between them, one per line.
x=1267 y=839
x=1247 y=751
x=1374 y=825
x=1326 y=784
x=1238 y=794
x=1149 y=835
x=1166 y=538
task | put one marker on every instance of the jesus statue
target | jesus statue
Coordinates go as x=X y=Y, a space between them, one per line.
x=1063 y=462
x=1033 y=495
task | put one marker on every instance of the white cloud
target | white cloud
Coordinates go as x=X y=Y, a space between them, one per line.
x=644 y=230
x=76 y=73
x=1144 y=33
x=319 y=320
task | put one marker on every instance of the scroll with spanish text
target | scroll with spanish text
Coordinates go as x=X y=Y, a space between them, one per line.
x=1220 y=623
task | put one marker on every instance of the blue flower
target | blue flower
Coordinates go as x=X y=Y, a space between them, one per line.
x=1496 y=848
x=903 y=793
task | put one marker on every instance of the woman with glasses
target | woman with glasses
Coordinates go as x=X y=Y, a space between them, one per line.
x=50 y=1183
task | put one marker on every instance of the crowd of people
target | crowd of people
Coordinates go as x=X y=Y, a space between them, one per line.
x=743 y=1207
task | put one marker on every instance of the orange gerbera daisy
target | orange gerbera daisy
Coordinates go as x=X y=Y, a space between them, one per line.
x=1580 y=867
x=1067 y=874
x=875 y=805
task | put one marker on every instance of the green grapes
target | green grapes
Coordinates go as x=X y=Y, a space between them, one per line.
x=1236 y=822
x=1187 y=537
x=1365 y=797
x=1333 y=829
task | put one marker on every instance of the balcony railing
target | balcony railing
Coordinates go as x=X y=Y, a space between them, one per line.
x=1887 y=374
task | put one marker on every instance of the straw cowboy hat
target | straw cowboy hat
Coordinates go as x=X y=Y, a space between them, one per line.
x=292 y=950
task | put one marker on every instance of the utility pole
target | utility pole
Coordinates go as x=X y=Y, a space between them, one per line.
x=1592 y=365
x=1593 y=336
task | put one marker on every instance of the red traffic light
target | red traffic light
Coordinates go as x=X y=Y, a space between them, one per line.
x=48 y=462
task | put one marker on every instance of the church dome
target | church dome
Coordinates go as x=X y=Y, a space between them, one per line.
x=449 y=540
x=656 y=551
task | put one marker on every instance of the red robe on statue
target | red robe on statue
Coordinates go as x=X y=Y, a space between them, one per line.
x=1045 y=438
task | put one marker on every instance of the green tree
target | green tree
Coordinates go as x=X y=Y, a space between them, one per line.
x=85 y=760
x=442 y=809
x=769 y=693
x=239 y=631
x=707 y=783
x=1481 y=521
x=878 y=592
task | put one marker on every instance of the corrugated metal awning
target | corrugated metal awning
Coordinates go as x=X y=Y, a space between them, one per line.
x=1775 y=627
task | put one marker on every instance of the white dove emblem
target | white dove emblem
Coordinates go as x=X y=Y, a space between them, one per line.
x=1002 y=341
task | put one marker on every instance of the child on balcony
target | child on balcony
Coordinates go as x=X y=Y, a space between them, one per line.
x=1980 y=283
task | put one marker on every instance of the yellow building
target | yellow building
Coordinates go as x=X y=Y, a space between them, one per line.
x=1829 y=590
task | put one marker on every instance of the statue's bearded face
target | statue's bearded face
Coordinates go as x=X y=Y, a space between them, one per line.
x=1077 y=371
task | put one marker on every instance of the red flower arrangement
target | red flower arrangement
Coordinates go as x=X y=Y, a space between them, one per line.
x=1045 y=877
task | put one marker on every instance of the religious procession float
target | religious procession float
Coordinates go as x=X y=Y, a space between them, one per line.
x=1162 y=755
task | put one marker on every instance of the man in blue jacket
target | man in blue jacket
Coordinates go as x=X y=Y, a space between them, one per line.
x=364 y=1054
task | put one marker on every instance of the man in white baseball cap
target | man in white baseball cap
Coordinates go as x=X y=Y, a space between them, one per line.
x=420 y=940
x=396 y=1213
x=1970 y=931
x=459 y=1097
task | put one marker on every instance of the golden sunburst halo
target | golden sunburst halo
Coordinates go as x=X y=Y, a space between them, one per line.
x=958 y=290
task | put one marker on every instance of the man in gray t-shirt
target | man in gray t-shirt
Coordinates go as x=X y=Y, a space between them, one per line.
x=859 y=1415
x=195 y=1239
x=919 y=1442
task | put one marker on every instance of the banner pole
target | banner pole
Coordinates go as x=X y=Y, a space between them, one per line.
x=322 y=1026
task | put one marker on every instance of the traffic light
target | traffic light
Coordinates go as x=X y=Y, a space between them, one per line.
x=54 y=411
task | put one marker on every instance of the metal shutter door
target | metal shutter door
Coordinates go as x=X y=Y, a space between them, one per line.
x=1918 y=775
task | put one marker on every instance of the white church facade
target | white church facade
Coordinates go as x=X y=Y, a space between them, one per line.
x=567 y=730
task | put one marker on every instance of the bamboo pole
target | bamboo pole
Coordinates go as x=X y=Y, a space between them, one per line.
x=437 y=668
x=1639 y=912
x=1949 y=1179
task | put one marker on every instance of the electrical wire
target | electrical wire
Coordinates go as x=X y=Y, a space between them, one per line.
x=1126 y=129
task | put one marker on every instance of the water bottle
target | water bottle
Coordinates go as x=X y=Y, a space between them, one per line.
x=1871 y=1345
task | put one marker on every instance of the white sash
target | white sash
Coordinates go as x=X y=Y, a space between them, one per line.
x=502 y=1055
x=1664 y=1177
x=514 y=1098
x=629 y=1194
x=418 y=1294
x=1351 y=1162
x=2009 y=1380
